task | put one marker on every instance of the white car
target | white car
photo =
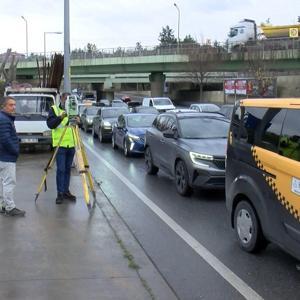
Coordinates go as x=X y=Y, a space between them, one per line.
x=162 y=104
x=205 y=107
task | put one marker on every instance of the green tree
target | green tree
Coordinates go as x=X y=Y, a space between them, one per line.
x=139 y=47
x=166 y=36
x=188 y=39
x=91 y=48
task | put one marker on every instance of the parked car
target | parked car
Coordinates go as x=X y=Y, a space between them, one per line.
x=162 y=104
x=226 y=110
x=104 y=121
x=118 y=103
x=144 y=109
x=129 y=132
x=205 y=107
x=262 y=174
x=190 y=147
x=87 y=117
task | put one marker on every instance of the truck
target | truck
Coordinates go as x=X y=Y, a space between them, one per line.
x=246 y=32
x=32 y=107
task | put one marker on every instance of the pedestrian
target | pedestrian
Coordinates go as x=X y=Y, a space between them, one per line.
x=9 y=152
x=57 y=121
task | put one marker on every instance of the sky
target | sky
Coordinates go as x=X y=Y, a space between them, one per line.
x=122 y=23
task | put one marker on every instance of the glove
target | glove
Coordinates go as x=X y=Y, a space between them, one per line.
x=63 y=115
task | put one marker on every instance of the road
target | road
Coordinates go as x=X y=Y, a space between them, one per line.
x=189 y=239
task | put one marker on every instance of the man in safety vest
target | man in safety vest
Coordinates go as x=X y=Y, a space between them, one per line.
x=57 y=120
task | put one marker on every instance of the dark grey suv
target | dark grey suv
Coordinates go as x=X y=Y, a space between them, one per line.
x=190 y=147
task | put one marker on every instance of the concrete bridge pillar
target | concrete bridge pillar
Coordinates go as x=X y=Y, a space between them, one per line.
x=157 y=81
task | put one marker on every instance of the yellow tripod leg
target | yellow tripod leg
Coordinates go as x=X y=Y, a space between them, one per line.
x=87 y=168
x=80 y=165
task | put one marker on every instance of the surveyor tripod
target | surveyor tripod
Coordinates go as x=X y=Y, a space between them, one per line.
x=81 y=165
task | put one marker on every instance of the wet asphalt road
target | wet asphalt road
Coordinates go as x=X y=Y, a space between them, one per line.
x=271 y=274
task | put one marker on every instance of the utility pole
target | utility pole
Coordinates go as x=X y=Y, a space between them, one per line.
x=67 y=70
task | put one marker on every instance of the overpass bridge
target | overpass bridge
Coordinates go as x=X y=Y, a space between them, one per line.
x=109 y=66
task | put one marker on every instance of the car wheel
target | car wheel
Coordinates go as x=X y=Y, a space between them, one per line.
x=247 y=228
x=125 y=148
x=113 y=142
x=182 y=179
x=150 y=168
x=100 y=135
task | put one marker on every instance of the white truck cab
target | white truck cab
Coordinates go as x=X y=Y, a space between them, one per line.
x=162 y=104
x=241 y=33
x=32 y=107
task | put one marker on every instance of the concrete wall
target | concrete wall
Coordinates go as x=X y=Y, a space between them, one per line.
x=288 y=86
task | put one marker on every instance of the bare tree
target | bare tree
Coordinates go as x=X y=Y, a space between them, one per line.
x=259 y=67
x=203 y=59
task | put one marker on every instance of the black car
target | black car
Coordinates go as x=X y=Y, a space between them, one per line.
x=190 y=147
x=104 y=121
x=87 y=117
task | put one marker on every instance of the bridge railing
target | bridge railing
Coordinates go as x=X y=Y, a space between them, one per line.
x=263 y=49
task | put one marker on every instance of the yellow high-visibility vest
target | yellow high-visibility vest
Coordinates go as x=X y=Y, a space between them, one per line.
x=68 y=140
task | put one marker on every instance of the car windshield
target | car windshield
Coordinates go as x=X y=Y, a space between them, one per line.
x=162 y=101
x=140 y=120
x=81 y=108
x=26 y=104
x=113 y=113
x=92 y=111
x=203 y=128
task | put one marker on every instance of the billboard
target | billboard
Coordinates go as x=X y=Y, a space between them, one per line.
x=252 y=88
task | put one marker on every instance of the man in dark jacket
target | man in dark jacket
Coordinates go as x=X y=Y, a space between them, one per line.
x=9 y=152
x=57 y=121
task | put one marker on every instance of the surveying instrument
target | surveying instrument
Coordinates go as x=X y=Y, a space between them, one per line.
x=81 y=161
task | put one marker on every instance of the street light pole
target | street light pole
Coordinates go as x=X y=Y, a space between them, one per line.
x=67 y=69
x=50 y=32
x=178 y=26
x=26 y=35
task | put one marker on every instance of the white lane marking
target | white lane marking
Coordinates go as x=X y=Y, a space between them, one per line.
x=241 y=286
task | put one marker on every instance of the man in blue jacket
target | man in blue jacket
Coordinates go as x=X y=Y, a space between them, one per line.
x=9 y=152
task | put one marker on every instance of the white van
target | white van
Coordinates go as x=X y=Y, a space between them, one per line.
x=162 y=104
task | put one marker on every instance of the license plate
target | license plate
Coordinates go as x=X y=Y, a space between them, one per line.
x=296 y=186
x=29 y=141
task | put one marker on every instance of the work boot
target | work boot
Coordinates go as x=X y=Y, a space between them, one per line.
x=15 y=212
x=60 y=198
x=69 y=196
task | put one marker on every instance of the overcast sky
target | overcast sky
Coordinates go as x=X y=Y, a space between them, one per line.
x=114 y=23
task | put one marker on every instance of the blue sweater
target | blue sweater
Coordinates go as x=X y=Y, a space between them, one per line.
x=9 y=142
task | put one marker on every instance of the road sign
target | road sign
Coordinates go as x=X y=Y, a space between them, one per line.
x=293 y=32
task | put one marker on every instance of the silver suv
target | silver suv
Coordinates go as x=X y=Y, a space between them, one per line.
x=190 y=147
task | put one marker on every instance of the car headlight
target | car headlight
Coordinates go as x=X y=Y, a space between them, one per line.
x=133 y=137
x=106 y=124
x=198 y=158
x=47 y=133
